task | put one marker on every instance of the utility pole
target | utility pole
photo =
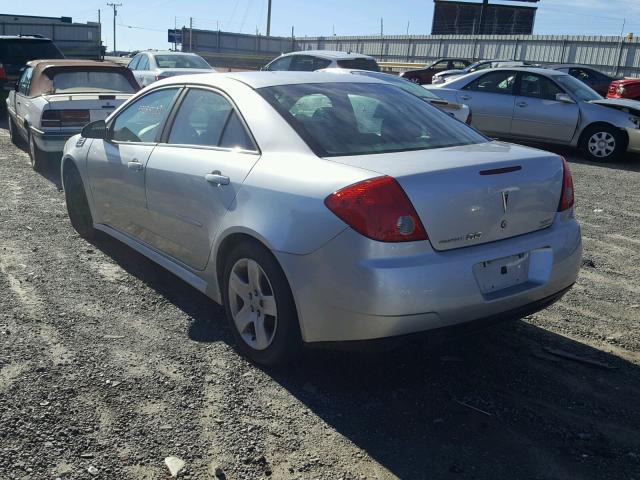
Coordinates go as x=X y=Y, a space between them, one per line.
x=115 y=14
x=190 y=34
x=175 y=34
x=269 y=18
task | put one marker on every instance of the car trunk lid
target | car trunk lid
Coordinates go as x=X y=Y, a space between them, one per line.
x=99 y=105
x=474 y=194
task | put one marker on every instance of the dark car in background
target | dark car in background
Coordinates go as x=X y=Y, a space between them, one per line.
x=424 y=75
x=597 y=80
x=15 y=52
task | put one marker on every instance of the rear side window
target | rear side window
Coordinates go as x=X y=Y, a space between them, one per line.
x=25 y=81
x=133 y=64
x=21 y=51
x=338 y=119
x=89 y=81
x=360 y=64
x=143 y=64
x=494 y=82
x=307 y=63
x=207 y=118
x=141 y=121
x=537 y=86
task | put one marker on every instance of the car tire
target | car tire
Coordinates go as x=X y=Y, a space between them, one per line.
x=603 y=143
x=76 y=200
x=260 y=306
x=14 y=136
x=36 y=156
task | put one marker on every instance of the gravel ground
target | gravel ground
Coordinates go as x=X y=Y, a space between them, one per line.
x=109 y=364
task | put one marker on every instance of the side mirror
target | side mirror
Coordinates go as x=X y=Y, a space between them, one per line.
x=564 y=98
x=97 y=129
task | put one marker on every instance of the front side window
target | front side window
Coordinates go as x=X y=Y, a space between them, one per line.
x=494 y=82
x=442 y=66
x=537 y=86
x=283 y=63
x=92 y=81
x=207 y=118
x=364 y=118
x=459 y=65
x=141 y=121
x=25 y=81
x=133 y=64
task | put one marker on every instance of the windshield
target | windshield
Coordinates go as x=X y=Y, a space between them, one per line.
x=22 y=51
x=92 y=81
x=340 y=118
x=181 y=61
x=360 y=64
x=576 y=88
x=406 y=85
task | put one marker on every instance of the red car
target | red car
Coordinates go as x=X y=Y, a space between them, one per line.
x=625 y=88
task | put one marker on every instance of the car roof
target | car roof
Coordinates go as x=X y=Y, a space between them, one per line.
x=329 y=54
x=269 y=79
x=67 y=62
x=565 y=65
x=168 y=52
x=30 y=38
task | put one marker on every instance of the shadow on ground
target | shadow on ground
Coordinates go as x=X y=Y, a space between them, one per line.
x=493 y=405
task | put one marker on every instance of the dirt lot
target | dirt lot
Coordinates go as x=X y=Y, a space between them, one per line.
x=108 y=364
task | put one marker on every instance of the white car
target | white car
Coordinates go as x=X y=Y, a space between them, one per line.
x=312 y=60
x=149 y=67
x=54 y=99
x=456 y=110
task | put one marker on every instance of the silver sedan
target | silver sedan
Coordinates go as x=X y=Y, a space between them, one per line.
x=542 y=105
x=325 y=208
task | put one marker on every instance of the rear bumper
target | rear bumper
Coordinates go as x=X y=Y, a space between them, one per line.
x=48 y=141
x=356 y=289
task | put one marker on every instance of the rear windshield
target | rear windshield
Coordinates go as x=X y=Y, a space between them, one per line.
x=360 y=64
x=92 y=81
x=339 y=118
x=181 y=61
x=21 y=51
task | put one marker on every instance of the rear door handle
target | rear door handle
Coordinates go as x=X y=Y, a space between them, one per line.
x=465 y=97
x=522 y=104
x=135 y=165
x=217 y=178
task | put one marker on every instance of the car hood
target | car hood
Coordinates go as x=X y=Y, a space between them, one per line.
x=618 y=103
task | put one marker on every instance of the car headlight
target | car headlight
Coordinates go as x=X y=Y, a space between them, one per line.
x=620 y=90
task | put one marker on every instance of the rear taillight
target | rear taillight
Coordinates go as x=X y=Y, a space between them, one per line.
x=3 y=72
x=566 y=197
x=65 y=118
x=379 y=209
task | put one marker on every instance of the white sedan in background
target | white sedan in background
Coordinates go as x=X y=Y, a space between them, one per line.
x=54 y=99
x=456 y=110
x=325 y=208
x=149 y=67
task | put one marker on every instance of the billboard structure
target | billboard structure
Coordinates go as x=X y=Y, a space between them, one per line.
x=469 y=18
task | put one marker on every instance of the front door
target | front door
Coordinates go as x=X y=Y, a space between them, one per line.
x=538 y=115
x=117 y=166
x=21 y=100
x=193 y=178
x=491 y=99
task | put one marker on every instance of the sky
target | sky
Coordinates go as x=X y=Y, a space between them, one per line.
x=143 y=24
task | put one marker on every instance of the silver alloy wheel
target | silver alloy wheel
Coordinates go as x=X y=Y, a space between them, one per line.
x=252 y=304
x=601 y=144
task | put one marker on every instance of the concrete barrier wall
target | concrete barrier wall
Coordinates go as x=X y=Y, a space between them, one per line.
x=74 y=39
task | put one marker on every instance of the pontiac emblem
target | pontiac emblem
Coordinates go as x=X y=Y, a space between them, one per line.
x=505 y=201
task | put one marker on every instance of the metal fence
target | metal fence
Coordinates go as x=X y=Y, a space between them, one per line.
x=615 y=55
x=74 y=39
x=610 y=54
